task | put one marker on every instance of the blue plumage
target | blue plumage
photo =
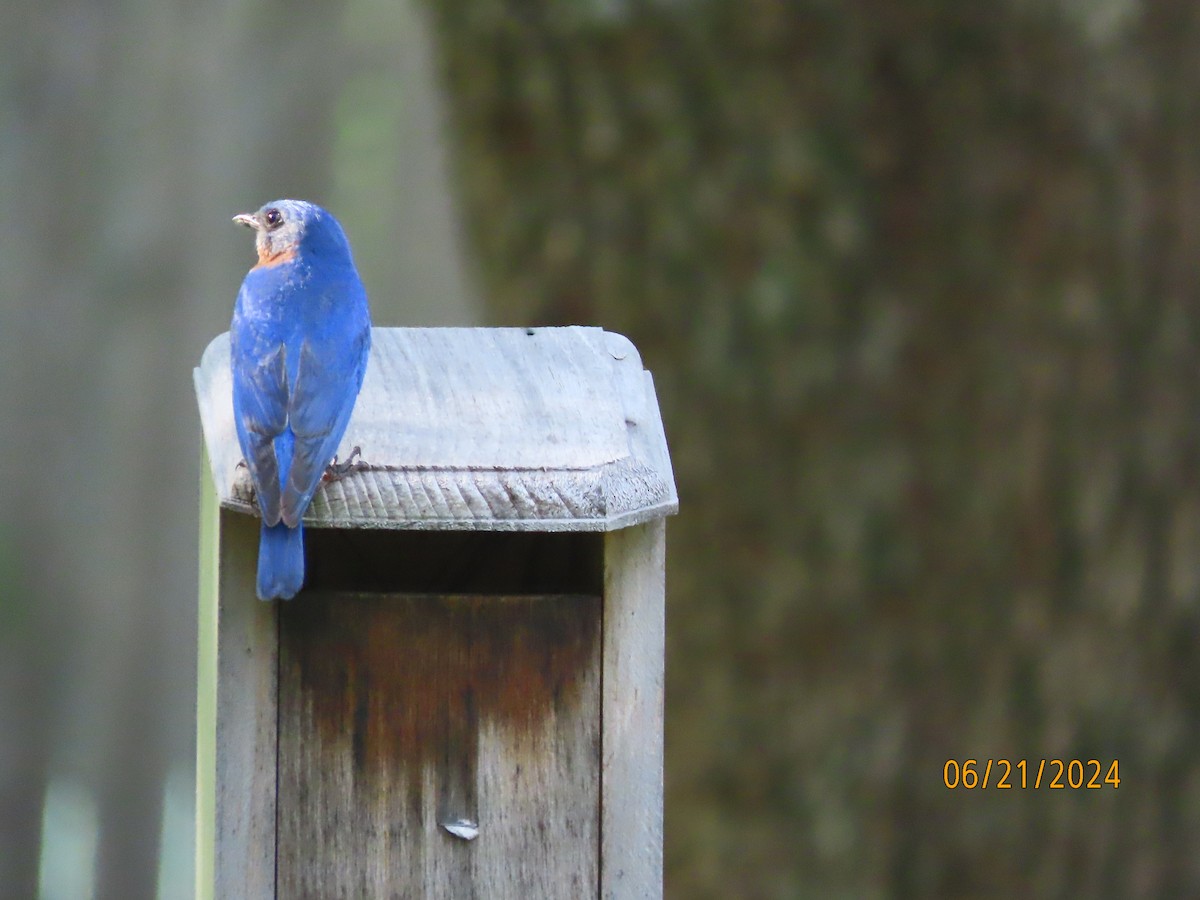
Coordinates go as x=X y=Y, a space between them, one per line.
x=299 y=341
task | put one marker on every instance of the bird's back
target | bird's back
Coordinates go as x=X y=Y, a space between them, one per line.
x=299 y=341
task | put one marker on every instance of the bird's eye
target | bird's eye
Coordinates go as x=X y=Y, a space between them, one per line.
x=273 y=218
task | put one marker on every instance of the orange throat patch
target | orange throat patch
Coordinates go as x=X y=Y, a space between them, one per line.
x=267 y=259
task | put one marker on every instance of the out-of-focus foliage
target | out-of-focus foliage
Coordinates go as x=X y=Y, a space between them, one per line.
x=918 y=283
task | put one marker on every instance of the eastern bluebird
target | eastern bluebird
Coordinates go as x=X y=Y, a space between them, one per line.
x=299 y=341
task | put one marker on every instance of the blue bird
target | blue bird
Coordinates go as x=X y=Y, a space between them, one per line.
x=299 y=341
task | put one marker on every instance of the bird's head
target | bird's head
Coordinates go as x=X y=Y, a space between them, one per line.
x=285 y=228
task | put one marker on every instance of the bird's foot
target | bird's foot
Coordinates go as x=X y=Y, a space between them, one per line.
x=336 y=470
x=253 y=490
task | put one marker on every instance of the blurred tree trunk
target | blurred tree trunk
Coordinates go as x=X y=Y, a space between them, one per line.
x=918 y=285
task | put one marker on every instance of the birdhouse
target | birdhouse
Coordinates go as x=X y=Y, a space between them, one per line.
x=466 y=698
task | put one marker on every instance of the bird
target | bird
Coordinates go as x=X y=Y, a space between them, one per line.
x=299 y=343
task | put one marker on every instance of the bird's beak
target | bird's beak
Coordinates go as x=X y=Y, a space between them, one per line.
x=247 y=219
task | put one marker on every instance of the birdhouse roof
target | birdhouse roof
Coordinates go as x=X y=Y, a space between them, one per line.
x=513 y=429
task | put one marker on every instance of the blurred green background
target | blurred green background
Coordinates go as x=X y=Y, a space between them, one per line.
x=920 y=289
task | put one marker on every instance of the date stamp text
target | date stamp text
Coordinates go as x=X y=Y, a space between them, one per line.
x=1025 y=774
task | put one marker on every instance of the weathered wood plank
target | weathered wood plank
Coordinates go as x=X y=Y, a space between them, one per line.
x=244 y=842
x=632 y=773
x=508 y=398
x=402 y=714
x=546 y=429
x=206 y=685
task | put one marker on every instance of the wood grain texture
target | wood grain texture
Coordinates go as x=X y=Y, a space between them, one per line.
x=245 y=724
x=550 y=429
x=634 y=652
x=400 y=714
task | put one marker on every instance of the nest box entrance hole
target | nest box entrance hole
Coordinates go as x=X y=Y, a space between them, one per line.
x=454 y=562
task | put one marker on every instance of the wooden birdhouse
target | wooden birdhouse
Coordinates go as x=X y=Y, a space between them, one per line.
x=466 y=698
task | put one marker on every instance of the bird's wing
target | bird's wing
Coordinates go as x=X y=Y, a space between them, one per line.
x=327 y=384
x=260 y=412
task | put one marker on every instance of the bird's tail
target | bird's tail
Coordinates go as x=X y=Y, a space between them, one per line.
x=280 y=561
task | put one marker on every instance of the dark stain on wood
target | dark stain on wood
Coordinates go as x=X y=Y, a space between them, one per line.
x=390 y=671
x=381 y=693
